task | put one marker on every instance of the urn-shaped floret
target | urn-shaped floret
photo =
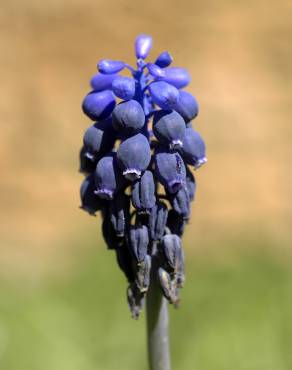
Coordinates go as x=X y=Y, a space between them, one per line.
x=108 y=178
x=99 y=138
x=194 y=149
x=169 y=128
x=170 y=170
x=128 y=118
x=187 y=106
x=134 y=156
x=90 y=202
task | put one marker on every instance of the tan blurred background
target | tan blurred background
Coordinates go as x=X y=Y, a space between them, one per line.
x=240 y=58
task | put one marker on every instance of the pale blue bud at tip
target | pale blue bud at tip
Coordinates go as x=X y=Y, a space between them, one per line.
x=107 y=66
x=143 y=45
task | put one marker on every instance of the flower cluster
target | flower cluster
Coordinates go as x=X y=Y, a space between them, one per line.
x=135 y=157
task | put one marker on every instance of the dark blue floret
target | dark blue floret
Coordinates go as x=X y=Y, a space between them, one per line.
x=157 y=221
x=170 y=170
x=191 y=184
x=138 y=242
x=134 y=156
x=194 y=149
x=99 y=139
x=98 y=105
x=108 y=231
x=87 y=165
x=187 y=106
x=175 y=223
x=128 y=118
x=143 y=192
x=119 y=213
x=169 y=128
x=180 y=202
x=171 y=248
x=89 y=201
x=108 y=178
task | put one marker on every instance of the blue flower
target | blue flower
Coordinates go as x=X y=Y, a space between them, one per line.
x=135 y=155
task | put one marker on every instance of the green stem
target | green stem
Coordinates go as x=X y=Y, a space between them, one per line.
x=157 y=326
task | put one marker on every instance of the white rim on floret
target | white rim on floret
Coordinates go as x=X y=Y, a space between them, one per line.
x=104 y=193
x=200 y=162
x=175 y=144
x=132 y=174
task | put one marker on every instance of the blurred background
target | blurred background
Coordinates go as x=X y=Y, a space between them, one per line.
x=62 y=297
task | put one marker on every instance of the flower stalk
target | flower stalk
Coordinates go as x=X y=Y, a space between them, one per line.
x=157 y=325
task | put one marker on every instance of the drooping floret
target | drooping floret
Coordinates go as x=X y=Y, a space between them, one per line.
x=108 y=178
x=134 y=156
x=128 y=118
x=170 y=170
x=194 y=148
x=187 y=106
x=169 y=128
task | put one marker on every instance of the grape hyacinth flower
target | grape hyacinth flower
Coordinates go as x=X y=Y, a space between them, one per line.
x=137 y=158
